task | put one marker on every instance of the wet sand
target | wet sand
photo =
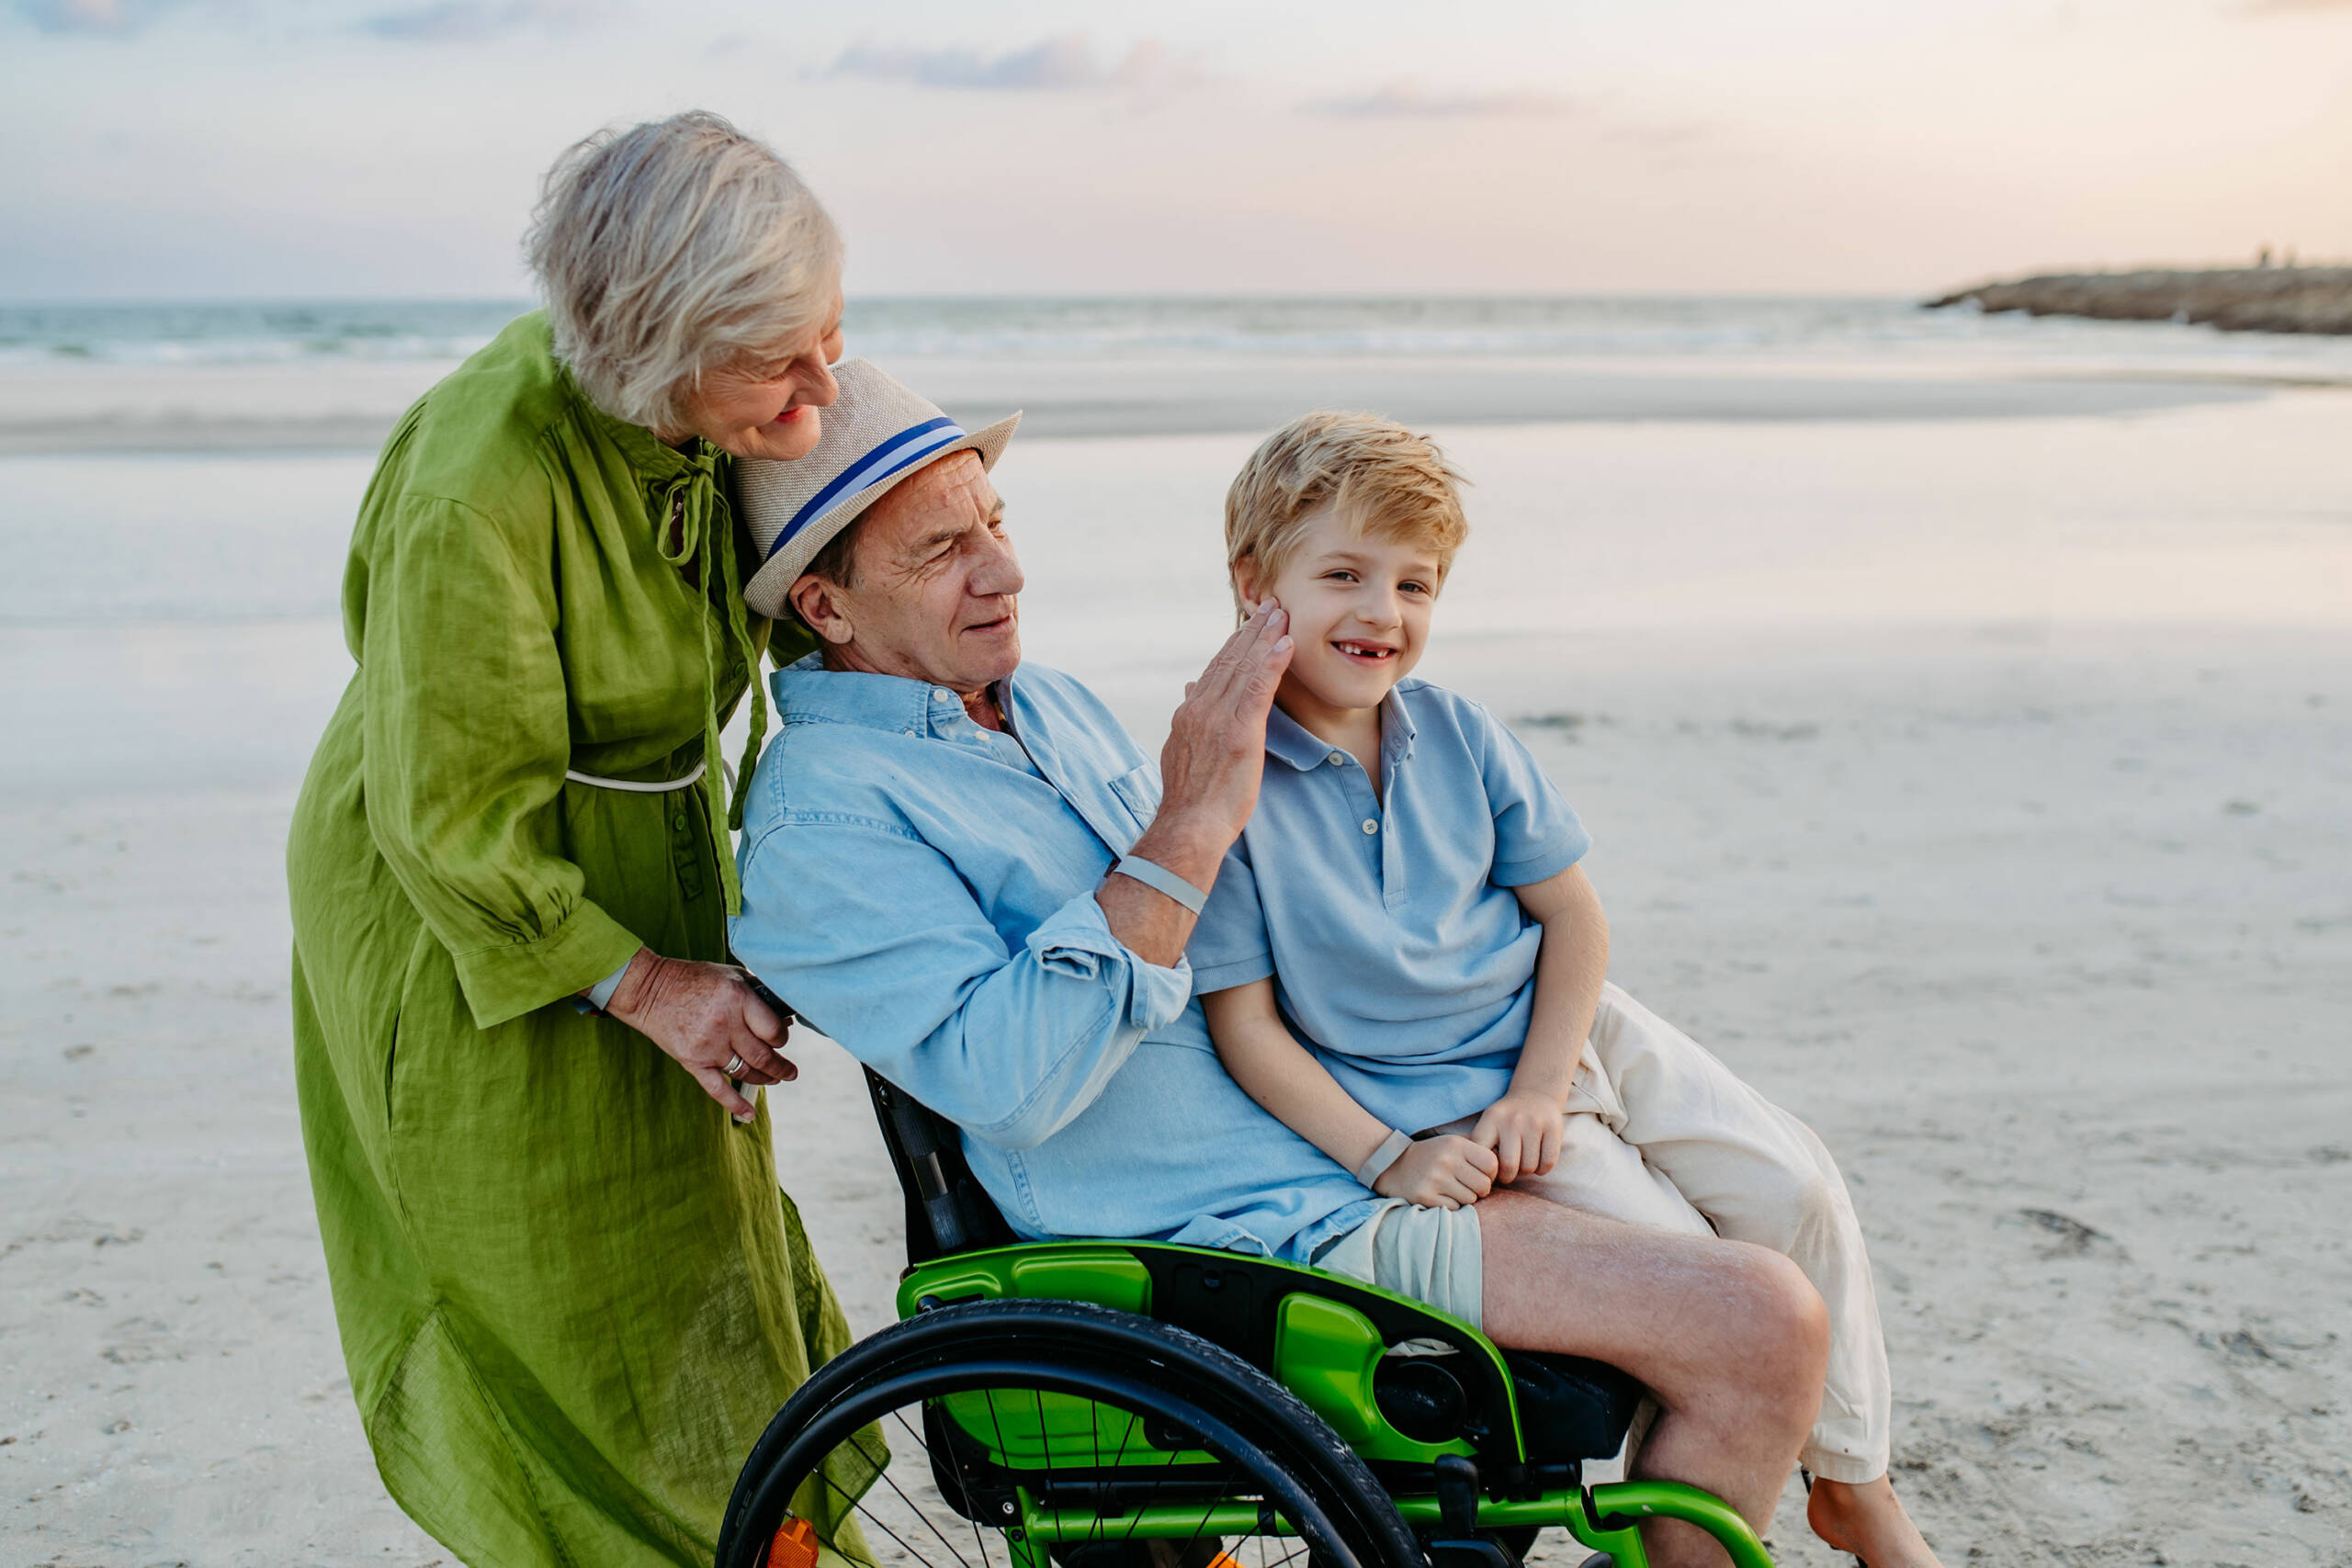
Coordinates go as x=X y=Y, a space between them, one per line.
x=2026 y=885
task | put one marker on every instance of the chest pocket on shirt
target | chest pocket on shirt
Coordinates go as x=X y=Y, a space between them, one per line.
x=1138 y=790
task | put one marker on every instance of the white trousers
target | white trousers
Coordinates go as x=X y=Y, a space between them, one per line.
x=1660 y=1133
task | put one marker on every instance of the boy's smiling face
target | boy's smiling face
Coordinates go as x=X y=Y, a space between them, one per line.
x=1359 y=607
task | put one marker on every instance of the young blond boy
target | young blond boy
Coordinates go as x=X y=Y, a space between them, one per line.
x=1403 y=961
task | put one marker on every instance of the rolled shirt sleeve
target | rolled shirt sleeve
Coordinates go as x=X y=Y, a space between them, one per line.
x=465 y=742
x=1537 y=832
x=872 y=936
x=1229 y=946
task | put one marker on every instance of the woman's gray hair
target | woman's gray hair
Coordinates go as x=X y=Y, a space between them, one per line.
x=673 y=248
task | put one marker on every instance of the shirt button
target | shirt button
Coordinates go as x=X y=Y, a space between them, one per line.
x=679 y=821
x=943 y=695
x=1339 y=759
x=1370 y=826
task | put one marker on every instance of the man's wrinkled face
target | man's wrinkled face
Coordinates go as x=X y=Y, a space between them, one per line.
x=934 y=585
x=766 y=406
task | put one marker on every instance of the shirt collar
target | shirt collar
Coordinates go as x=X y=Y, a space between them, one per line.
x=806 y=691
x=1290 y=741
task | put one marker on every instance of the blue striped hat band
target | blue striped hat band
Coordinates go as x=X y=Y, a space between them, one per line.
x=898 y=454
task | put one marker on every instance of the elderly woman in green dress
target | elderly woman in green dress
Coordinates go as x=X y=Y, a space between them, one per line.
x=570 y=1293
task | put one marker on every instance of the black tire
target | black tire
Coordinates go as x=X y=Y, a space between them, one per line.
x=1278 y=1447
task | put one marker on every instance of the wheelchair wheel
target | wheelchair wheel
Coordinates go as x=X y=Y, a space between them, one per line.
x=1029 y=1433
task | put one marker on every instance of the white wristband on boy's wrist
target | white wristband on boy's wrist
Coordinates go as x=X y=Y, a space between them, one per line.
x=1386 y=1154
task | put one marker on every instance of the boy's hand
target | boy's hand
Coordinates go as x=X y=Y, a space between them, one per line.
x=1439 y=1173
x=1525 y=1132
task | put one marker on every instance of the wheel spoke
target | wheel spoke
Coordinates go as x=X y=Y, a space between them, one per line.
x=917 y=1510
x=858 y=1507
x=1094 y=1446
x=1223 y=1464
x=1118 y=1466
x=979 y=1541
x=1046 y=1440
x=1206 y=1443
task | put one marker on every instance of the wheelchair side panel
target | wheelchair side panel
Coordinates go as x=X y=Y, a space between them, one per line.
x=1312 y=1332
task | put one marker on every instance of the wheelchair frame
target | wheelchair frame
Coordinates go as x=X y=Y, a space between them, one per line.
x=1323 y=1338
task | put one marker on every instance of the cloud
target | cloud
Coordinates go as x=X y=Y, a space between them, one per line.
x=118 y=16
x=1670 y=137
x=1061 y=64
x=462 y=21
x=1406 y=98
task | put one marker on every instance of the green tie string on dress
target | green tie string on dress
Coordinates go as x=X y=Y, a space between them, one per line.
x=689 y=503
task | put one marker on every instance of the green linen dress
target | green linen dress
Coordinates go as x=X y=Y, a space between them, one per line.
x=569 y=1291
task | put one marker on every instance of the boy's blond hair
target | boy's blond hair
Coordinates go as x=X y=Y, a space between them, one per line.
x=1391 y=483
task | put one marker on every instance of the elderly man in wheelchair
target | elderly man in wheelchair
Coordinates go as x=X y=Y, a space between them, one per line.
x=960 y=867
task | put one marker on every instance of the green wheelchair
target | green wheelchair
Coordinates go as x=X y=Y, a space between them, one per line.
x=1135 y=1404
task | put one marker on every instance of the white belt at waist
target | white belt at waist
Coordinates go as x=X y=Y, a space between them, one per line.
x=634 y=787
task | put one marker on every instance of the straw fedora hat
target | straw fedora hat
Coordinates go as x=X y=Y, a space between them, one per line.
x=876 y=433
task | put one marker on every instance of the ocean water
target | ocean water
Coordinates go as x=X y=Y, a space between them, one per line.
x=1731 y=330
x=1666 y=470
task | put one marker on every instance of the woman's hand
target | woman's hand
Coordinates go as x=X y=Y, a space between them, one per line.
x=1440 y=1173
x=707 y=1017
x=1525 y=1132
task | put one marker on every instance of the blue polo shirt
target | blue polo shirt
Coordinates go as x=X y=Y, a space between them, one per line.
x=1398 y=951
x=922 y=890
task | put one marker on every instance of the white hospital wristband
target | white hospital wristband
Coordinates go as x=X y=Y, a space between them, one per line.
x=1386 y=1154
x=1160 y=879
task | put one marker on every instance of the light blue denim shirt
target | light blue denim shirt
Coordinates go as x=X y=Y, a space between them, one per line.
x=1399 y=953
x=922 y=890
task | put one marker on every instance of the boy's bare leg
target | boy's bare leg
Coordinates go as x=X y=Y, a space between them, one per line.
x=1867 y=1519
x=1728 y=1337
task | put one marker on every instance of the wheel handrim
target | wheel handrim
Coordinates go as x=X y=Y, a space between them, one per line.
x=891 y=1398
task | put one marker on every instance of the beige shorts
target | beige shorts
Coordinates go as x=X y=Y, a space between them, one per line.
x=1659 y=1133
x=1430 y=1255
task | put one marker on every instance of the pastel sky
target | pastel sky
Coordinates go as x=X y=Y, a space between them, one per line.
x=199 y=149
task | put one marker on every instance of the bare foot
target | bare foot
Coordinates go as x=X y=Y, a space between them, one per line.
x=1866 y=1521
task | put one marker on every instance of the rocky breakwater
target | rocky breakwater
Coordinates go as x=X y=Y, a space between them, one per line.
x=2237 y=300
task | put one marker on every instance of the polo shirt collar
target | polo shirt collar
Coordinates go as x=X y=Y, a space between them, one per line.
x=1291 y=741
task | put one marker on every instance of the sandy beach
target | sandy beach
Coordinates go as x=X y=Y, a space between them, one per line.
x=1976 y=785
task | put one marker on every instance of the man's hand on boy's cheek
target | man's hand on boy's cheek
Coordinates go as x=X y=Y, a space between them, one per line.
x=1525 y=1132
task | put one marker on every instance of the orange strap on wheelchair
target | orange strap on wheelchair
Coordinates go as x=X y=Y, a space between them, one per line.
x=795 y=1545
